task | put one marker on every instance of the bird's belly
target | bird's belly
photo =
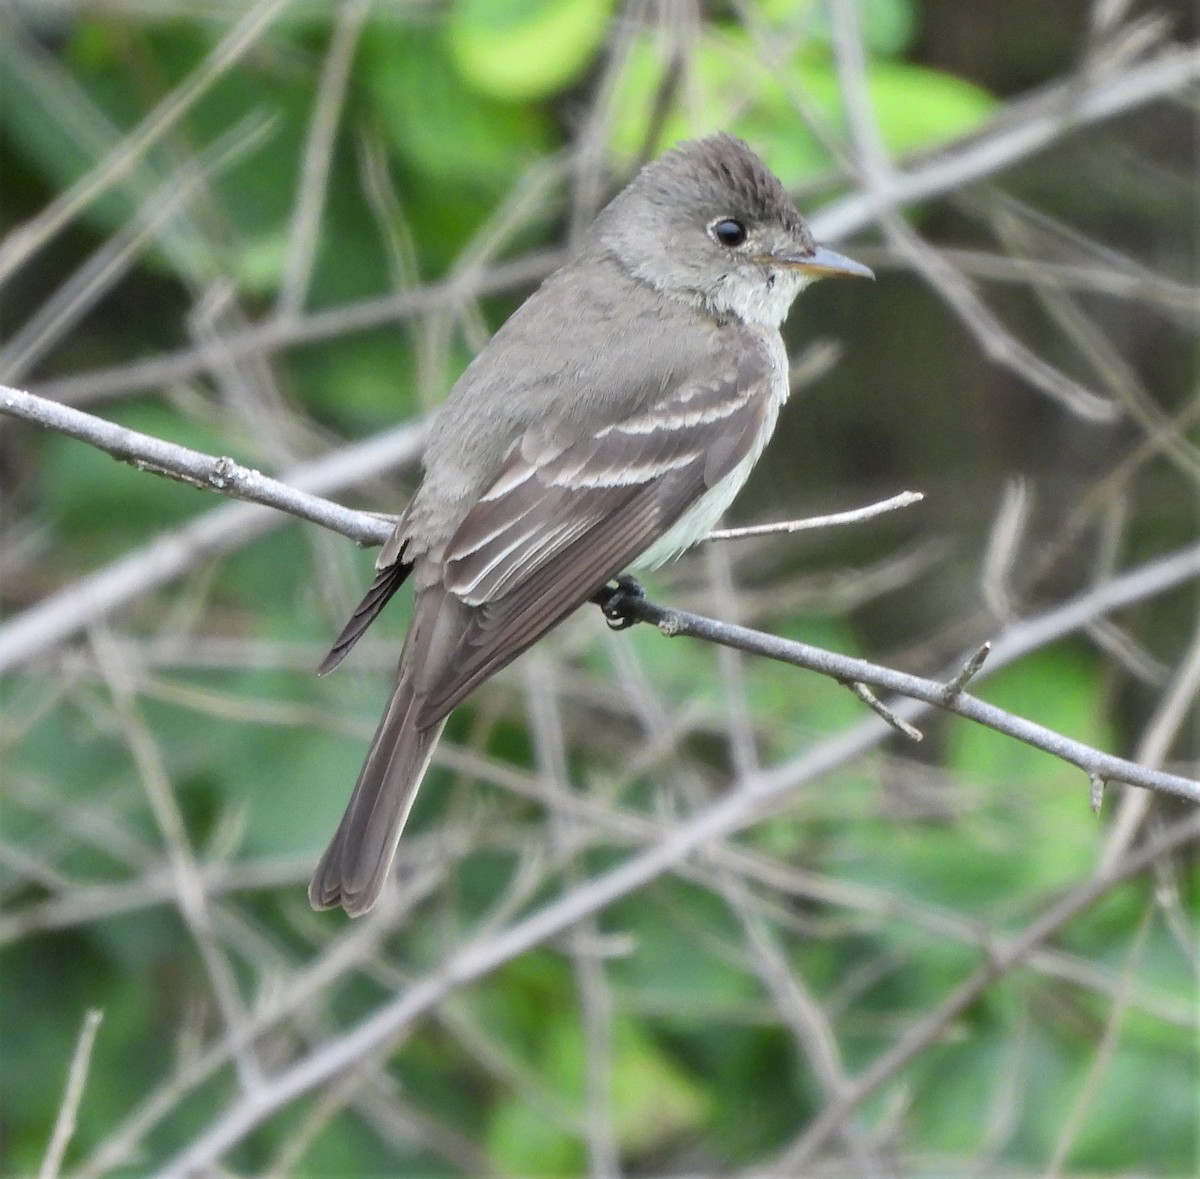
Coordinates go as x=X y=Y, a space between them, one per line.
x=700 y=519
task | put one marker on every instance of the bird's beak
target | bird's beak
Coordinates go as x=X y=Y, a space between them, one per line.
x=823 y=262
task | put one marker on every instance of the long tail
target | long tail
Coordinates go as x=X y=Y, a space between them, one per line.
x=355 y=866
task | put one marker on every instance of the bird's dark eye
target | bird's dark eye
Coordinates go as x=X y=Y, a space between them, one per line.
x=728 y=231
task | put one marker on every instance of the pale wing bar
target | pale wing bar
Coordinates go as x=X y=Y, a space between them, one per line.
x=551 y=499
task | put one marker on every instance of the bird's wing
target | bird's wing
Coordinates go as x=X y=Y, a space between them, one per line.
x=563 y=517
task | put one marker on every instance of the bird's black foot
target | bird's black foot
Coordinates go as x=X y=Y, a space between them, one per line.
x=616 y=601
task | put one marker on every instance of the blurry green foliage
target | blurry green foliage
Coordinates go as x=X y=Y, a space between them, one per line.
x=529 y=49
x=739 y=85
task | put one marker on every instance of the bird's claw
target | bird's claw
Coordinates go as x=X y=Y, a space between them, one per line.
x=616 y=601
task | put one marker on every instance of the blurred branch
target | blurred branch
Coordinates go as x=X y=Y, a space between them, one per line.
x=1001 y=959
x=190 y=896
x=78 y=904
x=1024 y=128
x=287 y=330
x=35 y=233
x=1176 y=703
x=881 y=190
x=353 y=946
x=68 y=1111
x=481 y=957
x=305 y=228
x=94 y=279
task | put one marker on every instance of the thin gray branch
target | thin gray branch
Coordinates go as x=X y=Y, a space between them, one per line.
x=57 y=618
x=851 y=516
x=949 y=696
x=64 y=1124
x=193 y=467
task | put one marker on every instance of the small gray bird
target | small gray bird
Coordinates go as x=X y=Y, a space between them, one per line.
x=605 y=427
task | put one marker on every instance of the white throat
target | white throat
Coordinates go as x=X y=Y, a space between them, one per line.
x=763 y=302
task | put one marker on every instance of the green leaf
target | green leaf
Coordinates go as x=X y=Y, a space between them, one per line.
x=361 y=382
x=1047 y=817
x=674 y=971
x=522 y=1140
x=451 y=135
x=528 y=49
x=731 y=88
x=915 y=107
x=655 y=1101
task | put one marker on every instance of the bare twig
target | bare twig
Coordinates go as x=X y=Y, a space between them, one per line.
x=318 y=153
x=880 y=709
x=969 y=670
x=853 y=516
x=781 y=877
x=811 y=1028
x=64 y=1123
x=841 y=667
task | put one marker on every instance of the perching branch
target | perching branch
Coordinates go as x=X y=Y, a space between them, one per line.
x=60 y=616
x=222 y=475
x=173 y=553
x=147 y=453
x=946 y=694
